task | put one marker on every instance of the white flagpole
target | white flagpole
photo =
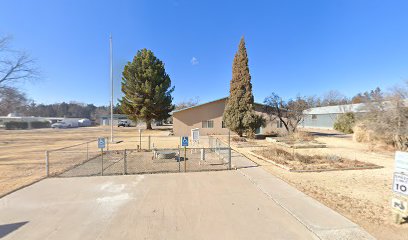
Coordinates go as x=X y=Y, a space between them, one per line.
x=111 y=78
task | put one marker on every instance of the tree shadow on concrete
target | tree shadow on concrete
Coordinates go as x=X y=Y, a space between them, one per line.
x=5 y=229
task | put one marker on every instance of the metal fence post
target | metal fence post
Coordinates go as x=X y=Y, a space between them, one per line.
x=179 y=159
x=47 y=166
x=229 y=150
x=229 y=158
x=185 y=159
x=140 y=138
x=149 y=142
x=87 y=151
x=124 y=163
x=102 y=162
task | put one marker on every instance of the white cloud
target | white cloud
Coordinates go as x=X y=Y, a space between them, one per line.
x=194 y=61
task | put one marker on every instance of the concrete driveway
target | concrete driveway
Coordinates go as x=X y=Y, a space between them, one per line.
x=206 y=205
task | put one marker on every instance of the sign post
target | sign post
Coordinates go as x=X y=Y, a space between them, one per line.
x=101 y=145
x=399 y=203
x=140 y=138
x=229 y=149
x=184 y=143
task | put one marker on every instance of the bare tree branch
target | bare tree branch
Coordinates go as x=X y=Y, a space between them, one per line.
x=290 y=113
x=15 y=66
x=11 y=100
x=4 y=42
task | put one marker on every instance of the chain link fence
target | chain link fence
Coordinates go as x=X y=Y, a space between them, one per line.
x=158 y=154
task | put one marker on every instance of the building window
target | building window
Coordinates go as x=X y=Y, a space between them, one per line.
x=208 y=124
x=314 y=116
x=279 y=124
x=223 y=124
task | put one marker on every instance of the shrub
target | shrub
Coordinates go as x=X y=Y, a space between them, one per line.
x=238 y=139
x=38 y=124
x=271 y=134
x=345 y=123
x=362 y=133
x=16 y=125
x=302 y=136
x=377 y=140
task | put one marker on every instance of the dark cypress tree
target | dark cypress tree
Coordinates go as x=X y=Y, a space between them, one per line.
x=239 y=114
x=147 y=89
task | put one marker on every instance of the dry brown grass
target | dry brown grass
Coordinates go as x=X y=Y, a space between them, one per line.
x=22 y=158
x=296 y=161
x=302 y=136
x=361 y=133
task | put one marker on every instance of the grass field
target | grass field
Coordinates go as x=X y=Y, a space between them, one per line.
x=22 y=158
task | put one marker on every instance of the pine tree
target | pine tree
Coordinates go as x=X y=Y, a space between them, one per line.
x=239 y=114
x=147 y=89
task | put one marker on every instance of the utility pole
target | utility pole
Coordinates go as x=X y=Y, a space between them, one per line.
x=111 y=78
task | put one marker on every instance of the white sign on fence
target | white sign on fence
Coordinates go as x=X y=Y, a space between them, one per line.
x=399 y=205
x=400 y=184
x=401 y=162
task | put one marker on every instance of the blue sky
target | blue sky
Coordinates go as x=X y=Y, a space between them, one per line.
x=294 y=47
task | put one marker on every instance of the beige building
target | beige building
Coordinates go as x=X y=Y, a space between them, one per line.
x=208 y=118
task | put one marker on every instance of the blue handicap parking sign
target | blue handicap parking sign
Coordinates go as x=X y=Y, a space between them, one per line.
x=184 y=141
x=101 y=142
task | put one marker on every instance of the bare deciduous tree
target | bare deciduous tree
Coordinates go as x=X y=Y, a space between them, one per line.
x=387 y=117
x=333 y=98
x=186 y=104
x=15 y=66
x=11 y=100
x=290 y=113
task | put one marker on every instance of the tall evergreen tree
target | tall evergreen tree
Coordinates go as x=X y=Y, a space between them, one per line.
x=147 y=89
x=239 y=114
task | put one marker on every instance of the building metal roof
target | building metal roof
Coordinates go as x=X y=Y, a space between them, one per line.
x=198 y=105
x=357 y=107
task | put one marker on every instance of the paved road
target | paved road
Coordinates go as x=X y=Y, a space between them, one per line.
x=237 y=204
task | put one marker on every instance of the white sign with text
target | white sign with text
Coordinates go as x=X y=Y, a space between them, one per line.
x=400 y=184
x=401 y=162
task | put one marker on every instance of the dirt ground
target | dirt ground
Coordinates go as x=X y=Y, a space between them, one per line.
x=22 y=158
x=363 y=196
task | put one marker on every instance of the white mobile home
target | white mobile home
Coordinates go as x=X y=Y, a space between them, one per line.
x=325 y=117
